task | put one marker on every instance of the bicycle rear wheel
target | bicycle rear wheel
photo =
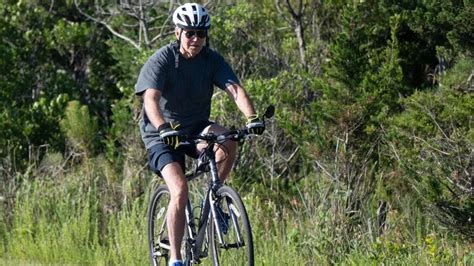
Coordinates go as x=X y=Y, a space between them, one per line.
x=236 y=247
x=158 y=240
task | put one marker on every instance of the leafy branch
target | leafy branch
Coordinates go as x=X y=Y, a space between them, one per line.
x=144 y=13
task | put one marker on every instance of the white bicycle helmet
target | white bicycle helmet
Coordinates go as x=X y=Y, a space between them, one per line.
x=192 y=16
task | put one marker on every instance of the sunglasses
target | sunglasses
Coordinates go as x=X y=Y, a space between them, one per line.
x=199 y=33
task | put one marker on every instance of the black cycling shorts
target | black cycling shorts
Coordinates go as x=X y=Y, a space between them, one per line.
x=161 y=154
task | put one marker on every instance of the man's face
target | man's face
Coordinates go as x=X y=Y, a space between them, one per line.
x=192 y=41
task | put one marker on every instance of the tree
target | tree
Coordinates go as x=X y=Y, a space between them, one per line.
x=297 y=15
x=139 y=23
x=49 y=56
x=432 y=143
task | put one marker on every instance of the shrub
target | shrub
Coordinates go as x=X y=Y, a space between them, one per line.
x=80 y=128
x=433 y=145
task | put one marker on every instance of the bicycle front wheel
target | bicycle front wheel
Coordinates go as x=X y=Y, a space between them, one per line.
x=232 y=223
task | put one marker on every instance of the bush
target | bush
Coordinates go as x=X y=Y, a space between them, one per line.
x=434 y=143
x=80 y=127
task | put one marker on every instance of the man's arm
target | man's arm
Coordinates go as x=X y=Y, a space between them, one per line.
x=238 y=94
x=151 y=102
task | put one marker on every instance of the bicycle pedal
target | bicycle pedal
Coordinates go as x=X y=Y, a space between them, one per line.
x=163 y=244
x=158 y=254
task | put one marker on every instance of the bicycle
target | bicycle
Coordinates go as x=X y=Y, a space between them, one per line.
x=222 y=224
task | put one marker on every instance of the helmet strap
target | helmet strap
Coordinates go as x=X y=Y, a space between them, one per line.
x=179 y=38
x=176 y=56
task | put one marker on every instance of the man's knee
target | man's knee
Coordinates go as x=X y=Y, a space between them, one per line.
x=228 y=147
x=231 y=145
x=174 y=177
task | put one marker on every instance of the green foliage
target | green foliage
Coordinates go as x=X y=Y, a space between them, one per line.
x=433 y=141
x=364 y=79
x=382 y=113
x=49 y=55
x=66 y=218
x=54 y=225
x=240 y=33
x=62 y=219
x=459 y=77
x=121 y=119
x=374 y=62
x=80 y=128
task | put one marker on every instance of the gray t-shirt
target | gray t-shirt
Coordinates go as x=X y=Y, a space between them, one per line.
x=186 y=87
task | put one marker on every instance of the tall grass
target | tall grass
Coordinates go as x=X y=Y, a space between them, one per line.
x=72 y=218
x=67 y=220
x=305 y=231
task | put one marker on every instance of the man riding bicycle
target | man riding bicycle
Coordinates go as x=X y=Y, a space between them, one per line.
x=177 y=86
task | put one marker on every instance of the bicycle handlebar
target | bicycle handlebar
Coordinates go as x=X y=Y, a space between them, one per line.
x=235 y=135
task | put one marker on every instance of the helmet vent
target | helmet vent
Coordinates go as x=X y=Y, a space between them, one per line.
x=188 y=20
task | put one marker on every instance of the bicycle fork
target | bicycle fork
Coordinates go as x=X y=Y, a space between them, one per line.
x=198 y=241
x=206 y=211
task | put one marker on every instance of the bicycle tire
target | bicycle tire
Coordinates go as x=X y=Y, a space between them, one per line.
x=158 y=241
x=235 y=250
x=157 y=230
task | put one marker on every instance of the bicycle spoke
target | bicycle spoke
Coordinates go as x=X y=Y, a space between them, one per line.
x=236 y=247
x=157 y=230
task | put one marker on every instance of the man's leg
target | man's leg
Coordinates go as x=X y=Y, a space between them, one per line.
x=225 y=156
x=174 y=177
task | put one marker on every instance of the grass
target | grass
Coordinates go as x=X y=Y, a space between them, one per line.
x=73 y=218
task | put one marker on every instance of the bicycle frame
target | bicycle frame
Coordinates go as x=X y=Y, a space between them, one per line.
x=196 y=233
x=209 y=207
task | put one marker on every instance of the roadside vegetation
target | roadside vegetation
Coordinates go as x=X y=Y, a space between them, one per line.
x=369 y=159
